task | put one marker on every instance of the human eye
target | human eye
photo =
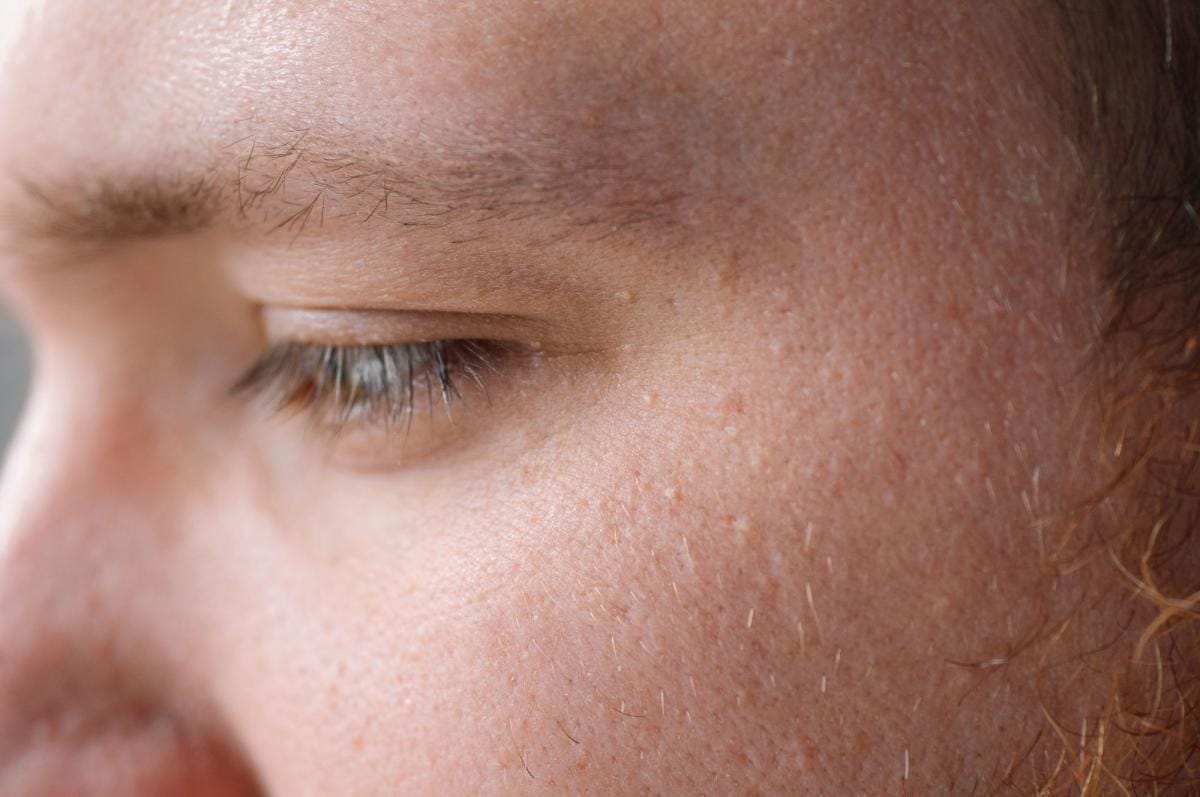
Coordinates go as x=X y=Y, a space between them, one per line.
x=371 y=386
x=381 y=390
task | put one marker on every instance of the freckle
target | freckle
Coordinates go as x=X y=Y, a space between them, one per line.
x=358 y=743
x=750 y=619
x=627 y=297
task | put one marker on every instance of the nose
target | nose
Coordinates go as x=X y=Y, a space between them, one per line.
x=100 y=690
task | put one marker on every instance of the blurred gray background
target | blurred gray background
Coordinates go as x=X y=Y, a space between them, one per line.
x=14 y=376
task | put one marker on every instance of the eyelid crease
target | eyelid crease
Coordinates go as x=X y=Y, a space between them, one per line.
x=362 y=327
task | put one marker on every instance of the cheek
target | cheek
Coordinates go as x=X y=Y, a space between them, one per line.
x=659 y=644
x=697 y=619
x=751 y=590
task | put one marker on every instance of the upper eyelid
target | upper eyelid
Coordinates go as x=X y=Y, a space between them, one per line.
x=368 y=326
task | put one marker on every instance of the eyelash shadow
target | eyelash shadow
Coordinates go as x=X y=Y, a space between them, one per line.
x=369 y=384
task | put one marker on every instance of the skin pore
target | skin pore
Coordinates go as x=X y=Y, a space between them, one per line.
x=766 y=490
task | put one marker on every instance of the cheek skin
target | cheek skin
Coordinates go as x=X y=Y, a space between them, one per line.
x=732 y=610
x=661 y=652
x=754 y=593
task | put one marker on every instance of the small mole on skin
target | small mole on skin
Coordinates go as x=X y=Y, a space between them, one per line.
x=626 y=297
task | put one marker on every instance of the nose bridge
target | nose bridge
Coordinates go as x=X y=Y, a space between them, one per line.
x=82 y=483
x=101 y=691
x=81 y=543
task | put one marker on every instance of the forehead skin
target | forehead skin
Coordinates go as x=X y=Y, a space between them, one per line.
x=729 y=109
x=746 y=548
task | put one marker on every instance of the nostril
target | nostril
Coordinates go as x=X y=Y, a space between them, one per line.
x=99 y=714
x=137 y=754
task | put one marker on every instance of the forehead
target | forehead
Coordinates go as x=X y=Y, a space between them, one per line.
x=123 y=75
x=134 y=77
x=797 y=112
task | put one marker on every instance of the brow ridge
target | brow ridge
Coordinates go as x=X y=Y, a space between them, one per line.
x=307 y=179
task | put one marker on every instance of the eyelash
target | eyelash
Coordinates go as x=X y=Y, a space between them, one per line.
x=368 y=384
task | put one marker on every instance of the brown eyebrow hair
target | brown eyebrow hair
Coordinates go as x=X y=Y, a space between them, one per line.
x=306 y=179
x=104 y=210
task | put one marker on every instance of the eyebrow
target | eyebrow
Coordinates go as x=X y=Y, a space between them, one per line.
x=300 y=179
